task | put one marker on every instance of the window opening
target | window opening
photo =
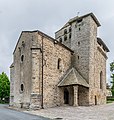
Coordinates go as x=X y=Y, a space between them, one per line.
x=79 y=20
x=70 y=29
x=58 y=64
x=60 y=40
x=78 y=43
x=65 y=31
x=78 y=57
x=70 y=36
x=22 y=87
x=22 y=58
x=65 y=38
x=101 y=75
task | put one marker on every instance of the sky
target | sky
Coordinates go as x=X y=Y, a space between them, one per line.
x=48 y=16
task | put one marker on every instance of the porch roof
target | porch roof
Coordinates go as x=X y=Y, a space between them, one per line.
x=72 y=77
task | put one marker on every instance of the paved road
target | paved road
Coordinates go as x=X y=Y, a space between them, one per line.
x=8 y=114
x=99 y=112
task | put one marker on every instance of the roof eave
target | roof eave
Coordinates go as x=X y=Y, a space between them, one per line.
x=90 y=14
x=77 y=18
x=45 y=35
x=101 y=41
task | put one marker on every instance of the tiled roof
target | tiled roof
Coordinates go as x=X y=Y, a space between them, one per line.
x=72 y=77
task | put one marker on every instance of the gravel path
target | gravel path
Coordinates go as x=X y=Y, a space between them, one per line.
x=99 y=112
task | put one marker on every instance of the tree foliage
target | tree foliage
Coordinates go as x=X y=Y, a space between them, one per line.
x=112 y=76
x=4 y=86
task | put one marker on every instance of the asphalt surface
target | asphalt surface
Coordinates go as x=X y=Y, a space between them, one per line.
x=8 y=114
x=98 y=112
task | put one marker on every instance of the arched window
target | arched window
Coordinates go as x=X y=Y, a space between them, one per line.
x=70 y=36
x=78 y=57
x=23 y=43
x=101 y=77
x=22 y=87
x=65 y=31
x=78 y=44
x=65 y=37
x=59 y=63
x=22 y=58
x=70 y=29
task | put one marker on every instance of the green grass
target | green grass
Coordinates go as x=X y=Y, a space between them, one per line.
x=110 y=100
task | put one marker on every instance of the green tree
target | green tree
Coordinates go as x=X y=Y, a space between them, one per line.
x=112 y=76
x=4 y=86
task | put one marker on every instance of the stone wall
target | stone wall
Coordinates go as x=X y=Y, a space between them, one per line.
x=22 y=71
x=97 y=63
x=51 y=75
x=28 y=70
x=89 y=58
x=83 y=94
x=11 y=84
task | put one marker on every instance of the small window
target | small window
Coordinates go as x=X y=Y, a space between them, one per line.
x=101 y=84
x=78 y=57
x=70 y=36
x=70 y=29
x=60 y=40
x=65 y=31
x=79 y=20
x=78 y=43
x=65 y=38
x=22 y=87
x=22 y=58
x=23 y=43
x=58 y=64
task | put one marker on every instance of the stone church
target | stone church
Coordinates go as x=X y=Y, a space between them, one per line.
x=69 y=69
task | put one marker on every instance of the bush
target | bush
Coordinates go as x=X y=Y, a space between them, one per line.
x=110 y=99
x=4 y=88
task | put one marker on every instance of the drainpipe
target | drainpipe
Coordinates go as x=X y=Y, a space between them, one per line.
x=42 y=106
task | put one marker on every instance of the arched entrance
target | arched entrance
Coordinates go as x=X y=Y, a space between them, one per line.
x=66 y=96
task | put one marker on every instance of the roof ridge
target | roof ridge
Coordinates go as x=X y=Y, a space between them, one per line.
x=45 y=35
